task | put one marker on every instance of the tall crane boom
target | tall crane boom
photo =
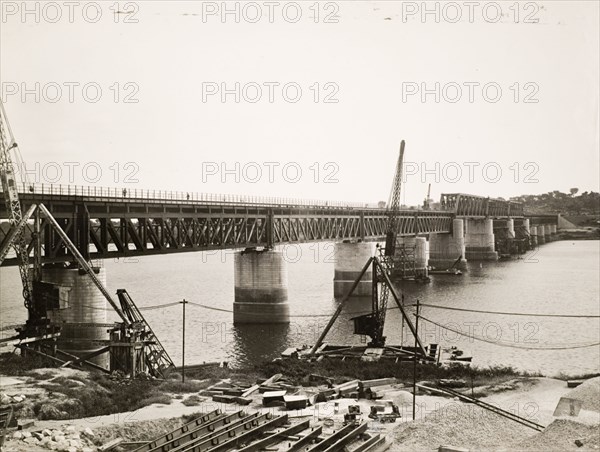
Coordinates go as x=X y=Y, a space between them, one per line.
x=394 y=206
x=13 y=205
x=427 y=198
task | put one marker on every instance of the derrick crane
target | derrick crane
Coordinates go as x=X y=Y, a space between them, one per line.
x=394 y=206
x=156 y=358
x=372 y=324
x=427 y=198
x=13 y=205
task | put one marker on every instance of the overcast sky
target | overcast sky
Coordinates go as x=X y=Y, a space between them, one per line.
x=360 y=66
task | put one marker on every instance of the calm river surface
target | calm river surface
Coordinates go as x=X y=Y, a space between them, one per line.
x=559 y=278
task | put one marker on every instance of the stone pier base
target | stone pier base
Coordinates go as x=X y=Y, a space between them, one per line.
x=479 y=240
x=445 y=249
x=260 y=287
x=350 y=258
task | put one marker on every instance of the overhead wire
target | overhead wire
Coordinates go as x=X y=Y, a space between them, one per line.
x=527 y=314
x=514 y=345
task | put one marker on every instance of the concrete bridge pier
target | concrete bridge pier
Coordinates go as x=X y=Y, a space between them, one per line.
x=80 y=302
x=548 y=233
x=445 y=249
x=412 y=258
x=504 y=236
x=479 y=239
x=260 y=287
x=350 y=258
x=553 y=231
x=523 y=234
x=533 y=236
x=541 y=234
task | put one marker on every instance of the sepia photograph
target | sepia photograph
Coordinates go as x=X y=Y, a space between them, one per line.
x=311 y=226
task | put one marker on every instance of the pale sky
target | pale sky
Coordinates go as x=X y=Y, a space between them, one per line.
x=372 y=57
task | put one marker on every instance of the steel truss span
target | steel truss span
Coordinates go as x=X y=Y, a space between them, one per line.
x=478 y=206
x=117 y=228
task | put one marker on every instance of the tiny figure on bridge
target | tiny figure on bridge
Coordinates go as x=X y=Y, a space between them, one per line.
x=188 y=196
x=124 y=192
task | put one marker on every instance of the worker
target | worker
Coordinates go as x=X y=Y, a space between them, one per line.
x=124 y=192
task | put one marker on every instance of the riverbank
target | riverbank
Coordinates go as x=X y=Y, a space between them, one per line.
x=579 y=234
x=69 y=400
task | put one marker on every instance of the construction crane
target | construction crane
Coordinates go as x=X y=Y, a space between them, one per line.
x=394 y=207
x=158 y=362
x=16 y=238
x=373 y=324
x=427 y=198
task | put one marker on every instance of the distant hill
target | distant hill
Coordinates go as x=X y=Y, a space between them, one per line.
x=582 y=209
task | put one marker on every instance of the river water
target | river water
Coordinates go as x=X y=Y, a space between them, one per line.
x=558 y=278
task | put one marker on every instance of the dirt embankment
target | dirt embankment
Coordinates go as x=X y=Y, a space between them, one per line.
x=138 y=411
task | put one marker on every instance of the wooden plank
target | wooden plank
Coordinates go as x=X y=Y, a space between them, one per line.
x=378 y=382
x=224 y=398
x=348 y=384
x=87 y=363
x=86 y=357
x=276 y=437
x=267 y=382
x=249 y=391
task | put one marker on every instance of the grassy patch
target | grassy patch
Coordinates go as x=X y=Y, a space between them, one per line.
x=100 y=395
x=341 y=371
x=16 y=365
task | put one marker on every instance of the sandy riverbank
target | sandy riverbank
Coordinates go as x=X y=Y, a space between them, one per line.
x=439 y=420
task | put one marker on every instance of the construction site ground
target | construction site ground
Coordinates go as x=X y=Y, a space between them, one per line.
x=440 y=420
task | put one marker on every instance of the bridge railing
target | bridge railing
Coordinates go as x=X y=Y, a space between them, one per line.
x=133 y=194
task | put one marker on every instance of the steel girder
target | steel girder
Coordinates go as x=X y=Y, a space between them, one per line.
x=477 y=206
x=117 y=229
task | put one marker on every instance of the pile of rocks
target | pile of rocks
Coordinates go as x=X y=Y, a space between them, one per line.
x=66 y=439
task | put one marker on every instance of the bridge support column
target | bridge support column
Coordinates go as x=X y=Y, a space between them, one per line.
x=260 y=287
x=523 y=234
x=533 y=236
x=479 y=239
x=350 y=258
x=541 y=234
x=79 y=302
x=445 y=249
x=548 y=233
x=412 y=258
x=553 y=231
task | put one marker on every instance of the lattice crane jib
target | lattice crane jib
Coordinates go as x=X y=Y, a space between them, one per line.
x=394 y=206
x=11 y=199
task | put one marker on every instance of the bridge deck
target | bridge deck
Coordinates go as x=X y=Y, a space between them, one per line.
x=116 y=222
x=110 y=227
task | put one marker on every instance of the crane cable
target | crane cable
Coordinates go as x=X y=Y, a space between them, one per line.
x=578 y=316
x=507 y=344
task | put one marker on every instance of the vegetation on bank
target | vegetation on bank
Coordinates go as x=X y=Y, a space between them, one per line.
x=70 y=394
x=586 y=205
